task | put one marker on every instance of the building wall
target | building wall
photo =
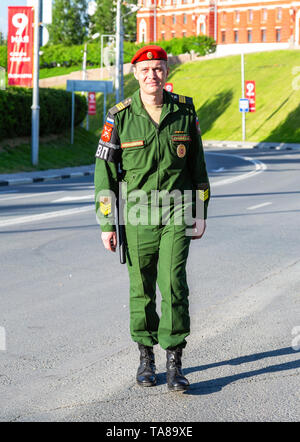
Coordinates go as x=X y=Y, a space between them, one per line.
x=237 y=21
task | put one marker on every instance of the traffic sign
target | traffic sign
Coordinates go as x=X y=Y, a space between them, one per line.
x=92 y=103
x=244 y=105
x=169 y=87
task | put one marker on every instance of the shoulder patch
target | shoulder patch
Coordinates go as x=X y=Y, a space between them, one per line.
x=120 y=106
x=182 y=99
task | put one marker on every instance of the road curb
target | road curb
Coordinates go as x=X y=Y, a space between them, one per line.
x=251 y=145
x=56 y=174
x=43 y=176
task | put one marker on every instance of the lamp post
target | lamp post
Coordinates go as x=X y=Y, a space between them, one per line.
x=35 y=117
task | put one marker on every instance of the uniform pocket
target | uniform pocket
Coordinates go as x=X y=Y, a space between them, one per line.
x=133 y=154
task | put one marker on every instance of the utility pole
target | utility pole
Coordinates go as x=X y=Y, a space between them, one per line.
x=243 y=95
x=118 y=51
x=35 y=119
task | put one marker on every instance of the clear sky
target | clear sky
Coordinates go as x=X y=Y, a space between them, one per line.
x=3 y=12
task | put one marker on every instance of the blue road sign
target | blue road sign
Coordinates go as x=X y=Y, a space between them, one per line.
x=244 y=105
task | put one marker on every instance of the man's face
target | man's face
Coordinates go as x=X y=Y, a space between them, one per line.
x=151 y=75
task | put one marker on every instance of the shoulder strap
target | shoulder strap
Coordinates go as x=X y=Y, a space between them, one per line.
x=182 y=99
x=120 y=106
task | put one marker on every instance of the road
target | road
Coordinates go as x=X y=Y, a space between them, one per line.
x=65 y=349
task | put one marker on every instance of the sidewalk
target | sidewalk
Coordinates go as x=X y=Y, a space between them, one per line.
x=75 y=172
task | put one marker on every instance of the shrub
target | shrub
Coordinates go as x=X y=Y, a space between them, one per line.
x=55 y=111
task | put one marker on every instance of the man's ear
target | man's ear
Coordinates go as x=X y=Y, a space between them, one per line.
x=135 y=72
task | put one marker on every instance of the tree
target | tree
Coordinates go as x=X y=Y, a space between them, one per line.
x=104 y=19
x=69 y=22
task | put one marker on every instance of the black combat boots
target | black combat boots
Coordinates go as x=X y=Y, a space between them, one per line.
x=146 y=372
x=175 y=379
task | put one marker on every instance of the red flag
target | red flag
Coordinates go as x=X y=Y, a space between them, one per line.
x=20 y=46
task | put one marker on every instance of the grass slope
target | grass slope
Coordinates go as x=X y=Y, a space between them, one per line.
x=53 y=154
x=215 y=86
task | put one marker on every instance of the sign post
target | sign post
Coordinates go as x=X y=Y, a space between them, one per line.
x=93 y=86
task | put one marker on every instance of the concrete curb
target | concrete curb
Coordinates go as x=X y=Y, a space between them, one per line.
x=46 y=175
x=251 y=145
x=75 y=172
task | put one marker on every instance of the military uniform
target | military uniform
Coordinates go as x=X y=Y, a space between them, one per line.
x=164 y=157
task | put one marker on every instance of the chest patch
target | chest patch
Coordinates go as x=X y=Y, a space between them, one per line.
x=181 y=150
x=132 y=144
x=181 y=138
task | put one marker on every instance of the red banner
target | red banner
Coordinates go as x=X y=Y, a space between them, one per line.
x=250 y=94
x=20 y=46
x=92 y=103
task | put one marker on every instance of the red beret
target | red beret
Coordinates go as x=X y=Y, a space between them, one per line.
x=150 y=52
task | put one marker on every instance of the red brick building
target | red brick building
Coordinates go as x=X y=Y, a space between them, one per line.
x=232 y=23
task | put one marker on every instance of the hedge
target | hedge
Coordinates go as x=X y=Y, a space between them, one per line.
x=55 y=111
x=60 y=55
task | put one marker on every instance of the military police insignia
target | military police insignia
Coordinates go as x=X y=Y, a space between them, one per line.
x=149 y=55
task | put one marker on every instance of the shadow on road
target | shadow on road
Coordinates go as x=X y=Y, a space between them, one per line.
x=214 y=385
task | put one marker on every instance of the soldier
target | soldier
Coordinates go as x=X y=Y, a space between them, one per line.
x=154 y=138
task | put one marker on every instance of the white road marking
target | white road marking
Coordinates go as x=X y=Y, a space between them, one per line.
x=259 y=167
x=258 y=206
x=29 y=195
x=73 y=198
x=219 y=170
x=44 y=216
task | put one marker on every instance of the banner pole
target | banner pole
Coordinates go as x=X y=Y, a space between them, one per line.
x=35 y=118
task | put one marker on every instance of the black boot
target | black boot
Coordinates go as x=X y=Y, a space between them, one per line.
x=175 y=379
x=146 y=372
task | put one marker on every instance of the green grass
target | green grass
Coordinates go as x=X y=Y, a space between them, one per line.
x=53 y=154
x=215 y=86
x=55 y=72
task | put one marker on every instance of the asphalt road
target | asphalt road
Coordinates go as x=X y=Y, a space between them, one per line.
x=65 y=349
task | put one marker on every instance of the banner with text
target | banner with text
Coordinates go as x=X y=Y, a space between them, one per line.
x=20 y=46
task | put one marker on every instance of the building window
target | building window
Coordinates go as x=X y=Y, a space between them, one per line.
x=174 y=19
x=184 y=1
x=163 y=20
x=249 y=36
x=264 y=15
x=202 y=28
x=184 y=19
x=183 y=34
x=278 y=35
x=173 y=34
x=250 y=15
x=236 y=36
x=162 y=35
x=237 y=16
x=223 y=36
x=279 y=14
x=223 y=17
x=263 y=35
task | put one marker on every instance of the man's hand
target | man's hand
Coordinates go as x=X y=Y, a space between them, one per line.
x=109 y=240
x=199 y=228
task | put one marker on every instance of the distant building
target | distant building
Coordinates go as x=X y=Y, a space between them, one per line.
x=251 y=24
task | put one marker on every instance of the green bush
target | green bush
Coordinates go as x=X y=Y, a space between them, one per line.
x=61 y=55
x=55 y=111
x=3 y=56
